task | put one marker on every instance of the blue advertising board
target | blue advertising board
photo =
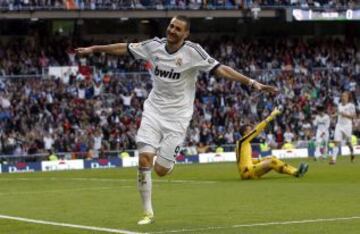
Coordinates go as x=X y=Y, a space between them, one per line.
x=21 y=167
x=103 y=163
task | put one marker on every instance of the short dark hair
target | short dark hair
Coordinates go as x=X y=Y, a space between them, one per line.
x=243 y=129
x=320 y=108
x=185 y=19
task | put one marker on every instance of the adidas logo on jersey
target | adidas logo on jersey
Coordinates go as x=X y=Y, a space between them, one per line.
x=167 y=74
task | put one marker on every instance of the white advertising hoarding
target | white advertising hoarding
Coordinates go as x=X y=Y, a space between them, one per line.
x=217 y=157
x=346 y=151
x=130 y=161
x=230 y=156
x=293 y=153
x=62 y=165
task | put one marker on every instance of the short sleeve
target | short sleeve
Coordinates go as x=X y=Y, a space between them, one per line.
x=142 y=50
x=202 y=60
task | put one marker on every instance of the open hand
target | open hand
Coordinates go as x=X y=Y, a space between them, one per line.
x=266 y=88
x=84 y=50
x=275 y=112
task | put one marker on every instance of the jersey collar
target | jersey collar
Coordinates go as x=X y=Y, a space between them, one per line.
x=175 y=50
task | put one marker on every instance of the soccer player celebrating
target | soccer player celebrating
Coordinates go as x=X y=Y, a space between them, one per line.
x=322 y=124
x=175 y=65
x=343 y=130
x=250 y=168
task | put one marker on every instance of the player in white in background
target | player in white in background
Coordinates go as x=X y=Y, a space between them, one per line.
x=346 y=113
x=322 y=124
x=288 y=135
x=175 y=65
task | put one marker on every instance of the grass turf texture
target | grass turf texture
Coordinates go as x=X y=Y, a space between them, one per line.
x=195 y=198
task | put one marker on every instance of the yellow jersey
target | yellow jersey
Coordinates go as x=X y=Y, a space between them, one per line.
x=244 y=156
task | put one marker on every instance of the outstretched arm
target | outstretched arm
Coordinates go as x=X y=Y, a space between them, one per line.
x=229 y=73
x=115 y=49
x=261 y=126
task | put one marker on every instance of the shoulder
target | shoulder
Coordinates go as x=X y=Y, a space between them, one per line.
x=153 y=42
x=197 y=49
x=349 y=105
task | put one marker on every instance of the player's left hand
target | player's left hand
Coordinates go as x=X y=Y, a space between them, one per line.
x=266 y=88
x=84 y=50
x=275 y=112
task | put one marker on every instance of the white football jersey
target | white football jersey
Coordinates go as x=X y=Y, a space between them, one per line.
x=349 y=109
x=174 y=75
x=322 y=123
x=288 y=136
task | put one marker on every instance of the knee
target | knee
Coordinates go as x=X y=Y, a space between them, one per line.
x=145 y=160
x=160 y=171
x=273 y=159
x=163 y=166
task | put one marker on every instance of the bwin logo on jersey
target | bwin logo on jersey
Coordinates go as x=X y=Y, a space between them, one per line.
x=167 y=74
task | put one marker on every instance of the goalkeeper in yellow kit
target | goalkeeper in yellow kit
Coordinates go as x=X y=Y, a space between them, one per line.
x=255 y=168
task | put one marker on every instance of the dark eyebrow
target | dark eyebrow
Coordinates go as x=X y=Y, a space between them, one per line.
x=177 y=27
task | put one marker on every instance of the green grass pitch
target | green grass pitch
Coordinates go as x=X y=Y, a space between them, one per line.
x=199 y=198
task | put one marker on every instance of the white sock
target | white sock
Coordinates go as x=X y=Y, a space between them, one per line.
x=317 y=151
x=145 y=187
x=326 y=149
x=335 y=152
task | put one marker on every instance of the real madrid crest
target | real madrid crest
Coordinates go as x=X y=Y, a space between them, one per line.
x=178 y=62
x=211 y=60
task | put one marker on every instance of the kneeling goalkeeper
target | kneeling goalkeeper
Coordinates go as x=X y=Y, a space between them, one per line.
x=255 y=168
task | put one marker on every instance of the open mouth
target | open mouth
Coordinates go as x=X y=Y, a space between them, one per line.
x=171 y=36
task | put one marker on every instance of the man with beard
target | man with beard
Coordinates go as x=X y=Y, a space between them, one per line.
x=174 y=67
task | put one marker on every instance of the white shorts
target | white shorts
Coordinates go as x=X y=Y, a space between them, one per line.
x=343 y=132
x=320 y=139
x=164 y=136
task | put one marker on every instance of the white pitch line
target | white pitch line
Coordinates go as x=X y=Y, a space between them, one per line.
x=99 y=229
x=186 y=181
x=260 y=224
x=114 y=180
x=64 y=190
x=133 y=180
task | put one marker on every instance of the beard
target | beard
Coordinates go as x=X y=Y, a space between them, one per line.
x=172 y=39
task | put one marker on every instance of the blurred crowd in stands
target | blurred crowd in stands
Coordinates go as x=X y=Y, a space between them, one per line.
x=98 y=108
x=168 y=4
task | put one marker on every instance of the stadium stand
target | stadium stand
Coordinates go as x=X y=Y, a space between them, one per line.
x=16 y=5
x=100 y=106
